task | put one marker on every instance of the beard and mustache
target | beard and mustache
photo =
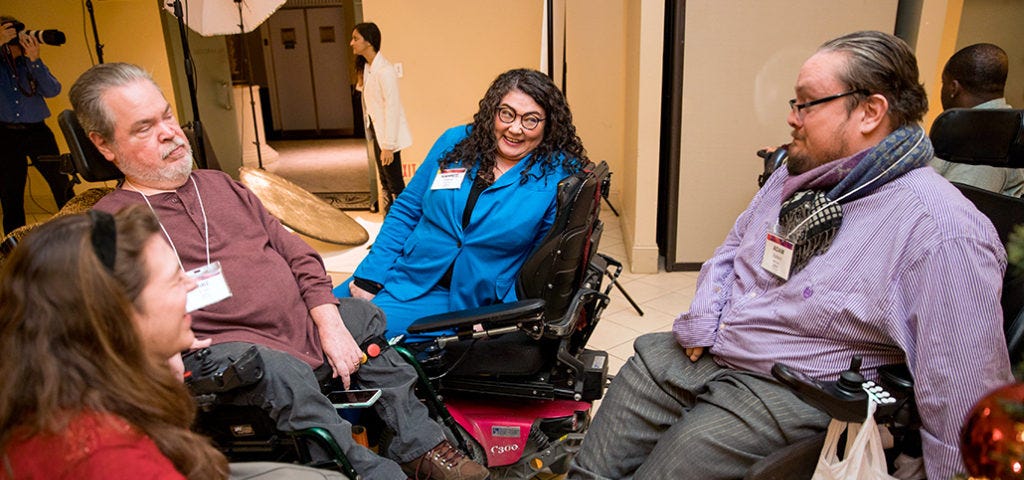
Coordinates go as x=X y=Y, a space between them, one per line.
x=175 y=173
x=801 y=161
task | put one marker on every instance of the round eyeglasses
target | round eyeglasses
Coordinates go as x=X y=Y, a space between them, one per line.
x=529 y=121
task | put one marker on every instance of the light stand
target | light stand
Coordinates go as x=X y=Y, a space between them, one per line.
x=95 y=33
x=197 y=125
x=248 y=80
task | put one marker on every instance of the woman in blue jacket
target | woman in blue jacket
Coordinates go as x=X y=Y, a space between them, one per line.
x=479 y=204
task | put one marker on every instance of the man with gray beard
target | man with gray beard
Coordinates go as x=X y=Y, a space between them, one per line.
x=262 y=285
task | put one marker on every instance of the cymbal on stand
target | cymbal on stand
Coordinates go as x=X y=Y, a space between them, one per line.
x=302 y=211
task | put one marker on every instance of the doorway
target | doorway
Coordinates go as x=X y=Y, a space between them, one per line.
x=312 y=114
x=308 y=59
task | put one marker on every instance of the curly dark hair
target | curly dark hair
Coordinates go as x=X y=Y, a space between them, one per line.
x=560 y=145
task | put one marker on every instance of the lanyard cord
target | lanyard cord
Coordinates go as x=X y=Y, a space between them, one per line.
x=855 y=190
x=206 y=224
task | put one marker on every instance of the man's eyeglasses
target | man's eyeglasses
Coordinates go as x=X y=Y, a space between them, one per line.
x=529 y=121
x=799 y=107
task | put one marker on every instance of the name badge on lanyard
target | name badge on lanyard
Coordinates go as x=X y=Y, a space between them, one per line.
x=449 y=179
x=211 y=287
x=778 y=255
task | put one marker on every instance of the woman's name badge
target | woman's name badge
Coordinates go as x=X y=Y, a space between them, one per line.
x=211 y=287
x=778 y=255
x=448 y=179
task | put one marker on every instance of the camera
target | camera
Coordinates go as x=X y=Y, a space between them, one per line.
x=49 y=37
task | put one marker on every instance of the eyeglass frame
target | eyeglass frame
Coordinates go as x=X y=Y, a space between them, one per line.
x=799 y=107
x=521 y=117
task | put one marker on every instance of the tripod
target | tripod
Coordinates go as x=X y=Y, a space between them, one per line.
x=248 y=81
x=190 y=74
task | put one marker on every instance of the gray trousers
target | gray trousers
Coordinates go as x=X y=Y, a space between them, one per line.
x=666 y=417
x=289 y=392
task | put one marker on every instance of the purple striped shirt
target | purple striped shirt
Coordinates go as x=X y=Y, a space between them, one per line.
x=914 y=275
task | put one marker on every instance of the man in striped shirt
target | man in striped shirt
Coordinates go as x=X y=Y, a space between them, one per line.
x=857 y=248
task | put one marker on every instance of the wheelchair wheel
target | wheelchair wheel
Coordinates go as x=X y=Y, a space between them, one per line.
x=476 y=452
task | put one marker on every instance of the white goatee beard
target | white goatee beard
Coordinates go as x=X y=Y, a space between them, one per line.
x=174 y=174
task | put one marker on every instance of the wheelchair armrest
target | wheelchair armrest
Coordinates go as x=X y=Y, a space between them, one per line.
x=847 y=398
x=797 y=460
x=497 y=315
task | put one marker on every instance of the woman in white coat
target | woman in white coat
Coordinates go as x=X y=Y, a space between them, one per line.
x=382 y=110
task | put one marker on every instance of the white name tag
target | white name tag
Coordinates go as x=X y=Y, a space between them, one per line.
x=449 y=179
x=211 y=287
x=778 y=255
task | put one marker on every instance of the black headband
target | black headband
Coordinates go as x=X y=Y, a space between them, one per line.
x=104 y=237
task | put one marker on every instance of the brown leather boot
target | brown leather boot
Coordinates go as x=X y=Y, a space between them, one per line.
x=445 y=462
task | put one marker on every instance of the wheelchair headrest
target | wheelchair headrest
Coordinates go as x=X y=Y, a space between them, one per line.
x=88 y=161
x=980 y=137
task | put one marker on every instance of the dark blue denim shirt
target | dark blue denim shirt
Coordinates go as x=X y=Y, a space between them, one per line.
x=24 y=89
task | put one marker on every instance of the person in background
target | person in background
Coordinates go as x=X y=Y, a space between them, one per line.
x=92 y=306
x=383 y=115
x=975 y=77
x=479 y=204
x=851 y=250
x=25 y=84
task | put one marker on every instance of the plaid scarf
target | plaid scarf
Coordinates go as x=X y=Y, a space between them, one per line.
x=813 y=212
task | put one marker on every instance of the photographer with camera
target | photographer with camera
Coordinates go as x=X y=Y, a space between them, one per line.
x=25 y=83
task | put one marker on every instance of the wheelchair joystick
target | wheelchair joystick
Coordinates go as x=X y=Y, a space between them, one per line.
x=206 y=365
x=216 y=377
x=851 y=381
x=844 y=399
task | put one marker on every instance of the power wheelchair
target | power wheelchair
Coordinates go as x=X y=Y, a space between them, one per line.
x=969 y=136
x=512 y=383
x=514 y=392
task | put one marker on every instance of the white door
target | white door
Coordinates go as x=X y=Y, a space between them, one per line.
x=310 y=70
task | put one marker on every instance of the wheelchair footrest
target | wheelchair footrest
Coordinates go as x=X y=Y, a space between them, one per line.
x=557 y=456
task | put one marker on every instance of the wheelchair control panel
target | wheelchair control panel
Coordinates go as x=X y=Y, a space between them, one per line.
x=212 y=377
x=772 y=161
x=845 y=399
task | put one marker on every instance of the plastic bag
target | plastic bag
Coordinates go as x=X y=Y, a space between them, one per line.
x=864 y=459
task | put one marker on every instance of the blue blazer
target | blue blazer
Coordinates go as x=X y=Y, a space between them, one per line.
x=422 y=235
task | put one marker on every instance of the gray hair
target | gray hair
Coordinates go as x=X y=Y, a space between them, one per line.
x=87 y=94
x=883 y=64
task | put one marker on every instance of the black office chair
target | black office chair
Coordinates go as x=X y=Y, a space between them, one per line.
x=969 y=136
